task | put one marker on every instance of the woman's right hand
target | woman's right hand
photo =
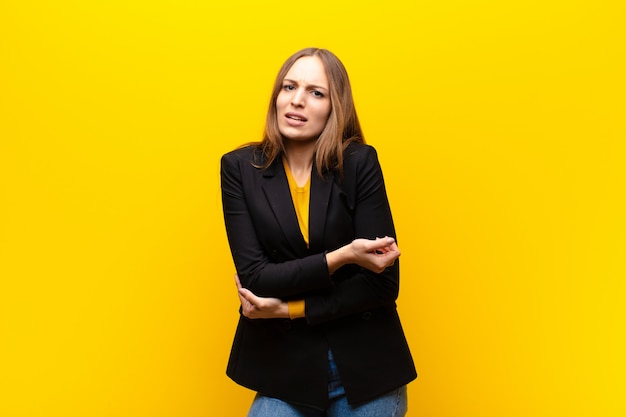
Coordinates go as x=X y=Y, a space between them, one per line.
x=254 y=307
x=373 y=254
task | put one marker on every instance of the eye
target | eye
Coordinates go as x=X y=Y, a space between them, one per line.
x=289 y=87
x=317 y=93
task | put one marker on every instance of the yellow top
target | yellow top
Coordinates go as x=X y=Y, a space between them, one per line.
x=300 y=197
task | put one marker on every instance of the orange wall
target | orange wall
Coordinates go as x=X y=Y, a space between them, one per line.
x=500 y=127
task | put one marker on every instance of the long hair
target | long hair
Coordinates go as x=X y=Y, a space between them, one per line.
x=342 y=126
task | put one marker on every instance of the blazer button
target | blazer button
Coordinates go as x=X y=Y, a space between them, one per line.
x=367 y=315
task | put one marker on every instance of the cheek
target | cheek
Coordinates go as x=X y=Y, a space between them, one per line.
x=280 y=100
x=325 y=113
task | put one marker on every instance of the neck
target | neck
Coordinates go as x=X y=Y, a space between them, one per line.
x=299 y=157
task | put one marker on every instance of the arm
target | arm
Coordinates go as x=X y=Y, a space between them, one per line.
x=374 y=255
x=378 y=254
x=257 y=271
x=372 y=285
x=254 y=307
x=359 y=288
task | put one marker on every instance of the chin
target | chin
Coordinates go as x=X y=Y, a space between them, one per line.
x=300 y=139
x=297 y=137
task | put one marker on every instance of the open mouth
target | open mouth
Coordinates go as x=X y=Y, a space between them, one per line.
x=296 y=117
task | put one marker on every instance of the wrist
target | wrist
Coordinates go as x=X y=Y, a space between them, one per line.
x=284 y=310
x=338 y=258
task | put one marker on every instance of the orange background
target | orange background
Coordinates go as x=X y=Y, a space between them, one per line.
x=500 y=127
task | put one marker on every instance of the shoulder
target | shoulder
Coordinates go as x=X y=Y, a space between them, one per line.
x=245 y=153
x=249 y=155
x=358 y=155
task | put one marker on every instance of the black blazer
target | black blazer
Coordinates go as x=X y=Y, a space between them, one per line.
x=352 y=312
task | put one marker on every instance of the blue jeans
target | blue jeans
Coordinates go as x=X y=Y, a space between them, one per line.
x=392 y=404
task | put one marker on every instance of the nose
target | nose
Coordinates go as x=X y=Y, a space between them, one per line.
x=297 y=100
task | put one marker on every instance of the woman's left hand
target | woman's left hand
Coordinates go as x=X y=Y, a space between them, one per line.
x=254 y=307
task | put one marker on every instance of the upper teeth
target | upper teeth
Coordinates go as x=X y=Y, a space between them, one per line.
x=295 y=117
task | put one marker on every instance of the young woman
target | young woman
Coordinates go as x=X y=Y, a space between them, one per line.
x=313 y=242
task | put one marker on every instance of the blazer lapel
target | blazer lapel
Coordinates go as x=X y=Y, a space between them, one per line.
x=318 y=208
x=276 y=190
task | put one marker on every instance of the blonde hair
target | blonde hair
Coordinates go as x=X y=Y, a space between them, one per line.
x=342 y=126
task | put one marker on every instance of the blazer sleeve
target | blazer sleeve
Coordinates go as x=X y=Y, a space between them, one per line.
x=357 y=289
x=257 y=271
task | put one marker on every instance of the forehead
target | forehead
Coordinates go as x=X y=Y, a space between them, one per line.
x=308 y=70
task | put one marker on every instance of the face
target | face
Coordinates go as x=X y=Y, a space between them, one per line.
x=303 y=104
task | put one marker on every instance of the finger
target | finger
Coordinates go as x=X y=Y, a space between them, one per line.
x=242 y=299
x=382 y=245
x=382 y=242
x=249 y=296
x=245 y=304
x=388 y=258
x=391 y=248
x=237 y=282
x=248 y=309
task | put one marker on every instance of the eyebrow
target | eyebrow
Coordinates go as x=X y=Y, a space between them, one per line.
x=309 y=85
